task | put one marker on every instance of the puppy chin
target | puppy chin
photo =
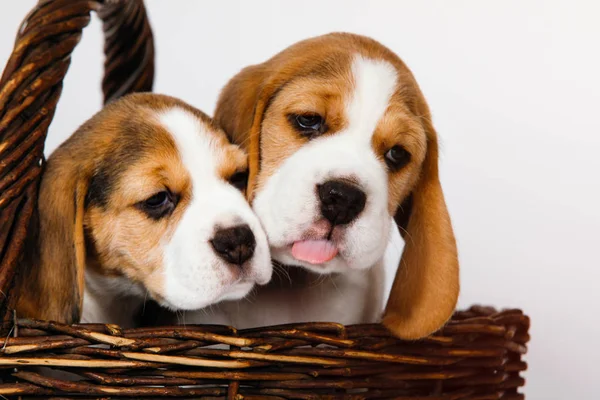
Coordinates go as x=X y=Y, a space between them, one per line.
x=335 y=265
x=195 y=293
x=237 y=291
x=189 y=300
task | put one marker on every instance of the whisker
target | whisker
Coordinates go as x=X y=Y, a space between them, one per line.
x=183 y=317
x=334 y=284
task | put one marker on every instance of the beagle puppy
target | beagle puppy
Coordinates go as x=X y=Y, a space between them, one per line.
x=340 y=143
x=144 y=201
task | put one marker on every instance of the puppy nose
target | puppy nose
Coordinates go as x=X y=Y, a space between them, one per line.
x=341 y=202
x=234 y=245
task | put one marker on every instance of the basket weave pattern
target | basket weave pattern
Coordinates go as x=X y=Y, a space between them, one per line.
x=476 y=356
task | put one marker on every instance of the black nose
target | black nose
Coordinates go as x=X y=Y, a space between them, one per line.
x=341 y=202
x=234 y=245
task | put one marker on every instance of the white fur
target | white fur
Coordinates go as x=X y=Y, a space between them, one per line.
x=347 y=298
x=288 y=205
x=288 y=208
x=111 y=300
x=194 y=276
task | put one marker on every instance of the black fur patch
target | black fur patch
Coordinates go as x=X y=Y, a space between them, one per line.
x=403 y=213
x=108 y=171
x=99 y=188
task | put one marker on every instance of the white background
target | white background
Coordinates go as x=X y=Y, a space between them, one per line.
x=514 y=87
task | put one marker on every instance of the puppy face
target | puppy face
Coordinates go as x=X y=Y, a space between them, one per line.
x=164 y=203
x=340 y=140
x=339 y=151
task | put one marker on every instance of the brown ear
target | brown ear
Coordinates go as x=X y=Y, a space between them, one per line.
x=52 y=284
x=254 y=140
x=240 y=111
x=426 y=285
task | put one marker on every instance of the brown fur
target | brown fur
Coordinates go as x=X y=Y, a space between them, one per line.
x=87 y=213
x=313 y=76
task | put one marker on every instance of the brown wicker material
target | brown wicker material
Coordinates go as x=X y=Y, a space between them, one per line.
x=476 y=356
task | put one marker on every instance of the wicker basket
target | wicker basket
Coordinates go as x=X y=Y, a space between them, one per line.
x=476 y=356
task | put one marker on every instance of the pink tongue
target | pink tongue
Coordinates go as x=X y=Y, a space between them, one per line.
x=314 y=251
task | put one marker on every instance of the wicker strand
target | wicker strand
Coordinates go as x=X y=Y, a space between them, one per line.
x=129 y=49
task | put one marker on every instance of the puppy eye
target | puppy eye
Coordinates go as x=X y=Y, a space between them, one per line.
x=158 y=205
x=397 y=157
x=310 y=125
x=239 y=180
x=313 y=122
x=158 y=200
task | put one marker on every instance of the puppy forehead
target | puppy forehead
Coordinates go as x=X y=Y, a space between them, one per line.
x=163 y=145
x=359 y=87
x=374 y=83
x=204 y=151
x=198 y=147
x=131 y=141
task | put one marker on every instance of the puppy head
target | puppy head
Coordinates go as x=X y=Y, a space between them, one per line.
x=340 y=142
x=151 y=190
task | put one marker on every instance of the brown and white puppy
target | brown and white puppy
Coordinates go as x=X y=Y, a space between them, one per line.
x=340 y=142
x=141 y=202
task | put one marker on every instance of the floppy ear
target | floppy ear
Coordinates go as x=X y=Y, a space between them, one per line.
x=254 y=139
x=426 y=285
x=240 y=111
x=52 y=283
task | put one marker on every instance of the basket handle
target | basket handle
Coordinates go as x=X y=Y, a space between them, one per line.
x=30 y=87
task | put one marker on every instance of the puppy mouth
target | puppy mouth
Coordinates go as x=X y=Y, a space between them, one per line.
x=314 y=251
x=318 y=245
